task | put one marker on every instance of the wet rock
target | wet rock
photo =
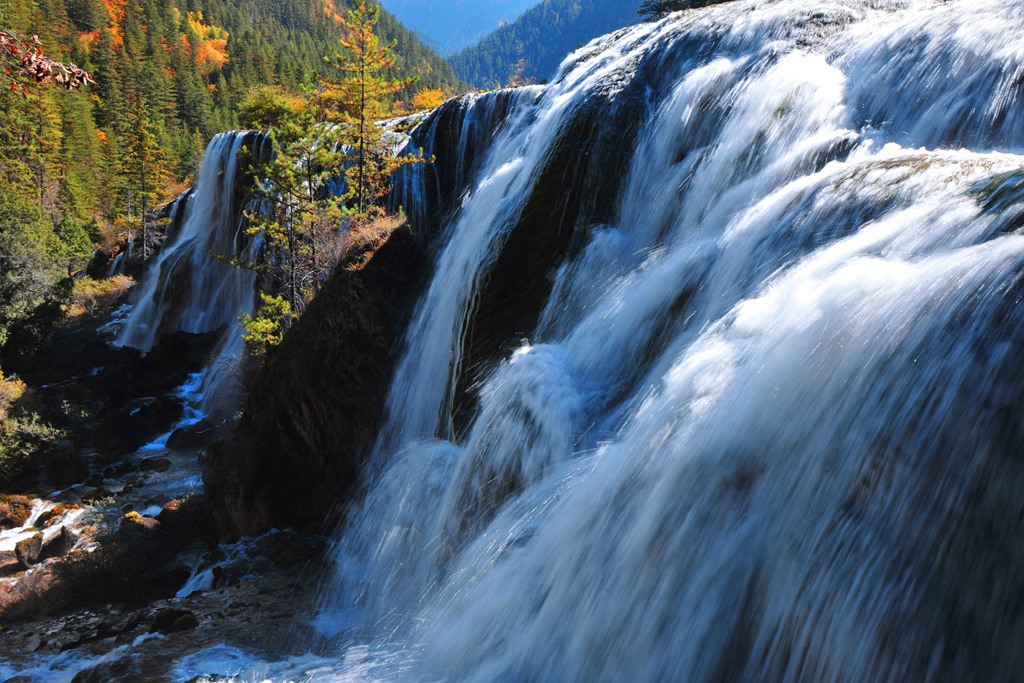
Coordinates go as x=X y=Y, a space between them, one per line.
x=117 y=670
x=14 y=511
x=9 y=563
x=27 y=550
x=155 y=465
x=60 y=544
x=138 y=423
x=133 y=523
x=58 y=512
x=173 y=620
x=192 y=438
x=290 y=554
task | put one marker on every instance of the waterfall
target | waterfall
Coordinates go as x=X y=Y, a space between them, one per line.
x=764 y=421
x=190 y=286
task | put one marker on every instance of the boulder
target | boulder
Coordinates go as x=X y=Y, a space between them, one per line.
x=9 y=563
x=155 y=465
x=193 y=438
x=59 y=544
x=14 y=511
x=27 y=550
x=172 y=620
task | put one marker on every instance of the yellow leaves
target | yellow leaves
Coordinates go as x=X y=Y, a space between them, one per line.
x=87 y=41
x=212 y=43
x=10 y=391
x=267 y=326
x=430 y=98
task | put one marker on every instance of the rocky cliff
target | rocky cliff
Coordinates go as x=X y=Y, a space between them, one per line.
x=313 y=409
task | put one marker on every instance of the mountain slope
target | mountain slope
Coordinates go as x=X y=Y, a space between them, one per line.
x=534 y=44
x=455 y=24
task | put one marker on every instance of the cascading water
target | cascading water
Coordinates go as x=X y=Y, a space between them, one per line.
x=768 y=422
x=190 y=286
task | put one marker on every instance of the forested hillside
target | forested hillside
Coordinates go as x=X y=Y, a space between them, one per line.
x=81 y=167
x=455 y=24
x=534 y=45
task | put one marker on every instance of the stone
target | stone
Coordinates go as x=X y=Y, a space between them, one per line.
x=28 y=549
x=173 y=620
x=192 y=438
x=14 y=511
x=9 y=563
x=135 y=522
x=60 y=544
x=155 y=465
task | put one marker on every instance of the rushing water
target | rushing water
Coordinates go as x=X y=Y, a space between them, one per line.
x=769 y=423
x=190 y=286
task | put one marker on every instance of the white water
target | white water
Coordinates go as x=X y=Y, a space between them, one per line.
x=769 y=425
x=190 y=286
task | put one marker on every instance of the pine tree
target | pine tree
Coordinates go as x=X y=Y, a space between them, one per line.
x=300 y=216
x=655 y=9
x=362 y=97
x=143 y=166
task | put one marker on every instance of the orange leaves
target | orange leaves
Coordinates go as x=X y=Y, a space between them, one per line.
x=332 y=13
x=212 y=43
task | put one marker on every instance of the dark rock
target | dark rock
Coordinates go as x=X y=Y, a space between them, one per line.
x=172 y=620
x=14 y=511
x=290 y=554
x=61 y=544
x=134 y=523
x=92 y=495
x=155 y=465
x=117 y=670
x=458 y=135
x=577 y=187
x=192 y=438
x=27 y=550
x=9 y=563
x=188 y=518
x=120 y=469
x=315 y=406
x=139 y=423
x=68 y=539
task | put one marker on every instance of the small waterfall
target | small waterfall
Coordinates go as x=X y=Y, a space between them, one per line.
x=462 y=131
x=190 y=286
x=766 y=423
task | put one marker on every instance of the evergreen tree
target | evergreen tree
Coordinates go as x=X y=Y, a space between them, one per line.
x=655 y=9
x=144 y=168
x=300 y=216
x=361 y=97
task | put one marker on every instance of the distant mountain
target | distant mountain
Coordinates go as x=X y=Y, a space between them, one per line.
x=540 y=39
x=451 y=25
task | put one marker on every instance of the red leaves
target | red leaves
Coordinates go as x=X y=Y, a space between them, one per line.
x=27 y=61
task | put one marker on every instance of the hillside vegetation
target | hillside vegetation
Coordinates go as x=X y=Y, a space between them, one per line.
x=532 y=47
x=80 y=168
